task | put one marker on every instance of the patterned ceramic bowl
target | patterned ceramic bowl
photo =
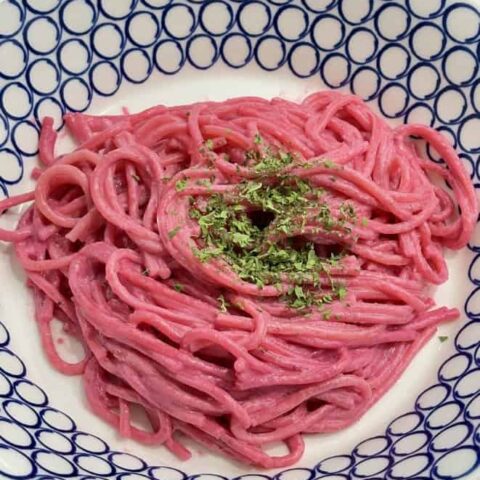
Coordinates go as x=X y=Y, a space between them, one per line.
x=413 y=60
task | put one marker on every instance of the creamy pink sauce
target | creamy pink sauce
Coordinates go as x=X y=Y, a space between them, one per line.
x=102 y=215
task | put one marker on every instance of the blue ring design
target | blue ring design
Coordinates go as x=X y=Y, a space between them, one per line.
x=25 y=58
x=47 y=19
x=297 y=46
x=30 y=100
x=241 y=26
x=92 y=79
x=113 y=17
x=383 y=51
x=257 y=54
x=54 y=100
x=151 y=4
x=33 y=468
x=321 y=19
x=384 y=90
x=131 y=18
x=328 y=7
x=452 y=390
x=404 y=440
x=473 y=91
x=438 y=96
x=191 y=59
x=41 y=12
x=202 y=11
x=3 y=141
x=37 y=453
x=289 y=8
x=455 y=7
x=411 y=40
x=124 y=58
x=223 y=45
x=170 y=8
x=432 y=15
x=350 y=38
x=467 y=52
x=38 y=436
x=465 y=120
x=22 y=18
x=362 y=20
x=29 y=445
x=119 y=32
x=382 y=10
x=357 y=73
x=418 y=66
x=30 y=80
x=179 y=49
x=84 y=45
x=84 y=83
x=15 y=143
x=62 y=14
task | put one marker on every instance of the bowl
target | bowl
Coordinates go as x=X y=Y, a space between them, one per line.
x=412 y=60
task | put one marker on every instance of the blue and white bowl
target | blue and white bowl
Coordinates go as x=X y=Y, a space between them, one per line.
x=414 y=60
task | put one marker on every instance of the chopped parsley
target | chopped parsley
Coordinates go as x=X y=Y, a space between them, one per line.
x=173 y=232
x=340 y=291
x=442 y=338
x=228 y=232
x=257 y=139
x=327 y=314
x=347 y=211
x=208 y=144
x=222 y=303
x=145 y=272
x=329 y=164
x=178 y=287
x=273 y=163
x=364 y=221
x=181 y=184
x=136 y=177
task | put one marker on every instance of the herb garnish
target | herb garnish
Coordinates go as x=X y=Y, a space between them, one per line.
x=222 y=303
x=228 y=233
x=181 y=184
x=329 y=164
x=173 y=232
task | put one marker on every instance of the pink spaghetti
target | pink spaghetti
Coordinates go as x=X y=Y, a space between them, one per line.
x=247 y=271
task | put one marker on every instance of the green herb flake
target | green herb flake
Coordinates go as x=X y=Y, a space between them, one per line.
x=178 y=287
x=173 y=232
x=181 y=185
x=442 y=338
x=257 y=139
x=364 y=221
x=136 y=177
x=146 y=272
x=340 y=291
x=228 y=234
x=329 y=164
x=347 y=211
x=222 y=303
x=208 y=144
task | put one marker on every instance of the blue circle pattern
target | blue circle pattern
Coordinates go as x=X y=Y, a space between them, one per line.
x=445 y=420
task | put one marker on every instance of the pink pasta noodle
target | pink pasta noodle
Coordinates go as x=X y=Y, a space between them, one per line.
x=123 y=244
